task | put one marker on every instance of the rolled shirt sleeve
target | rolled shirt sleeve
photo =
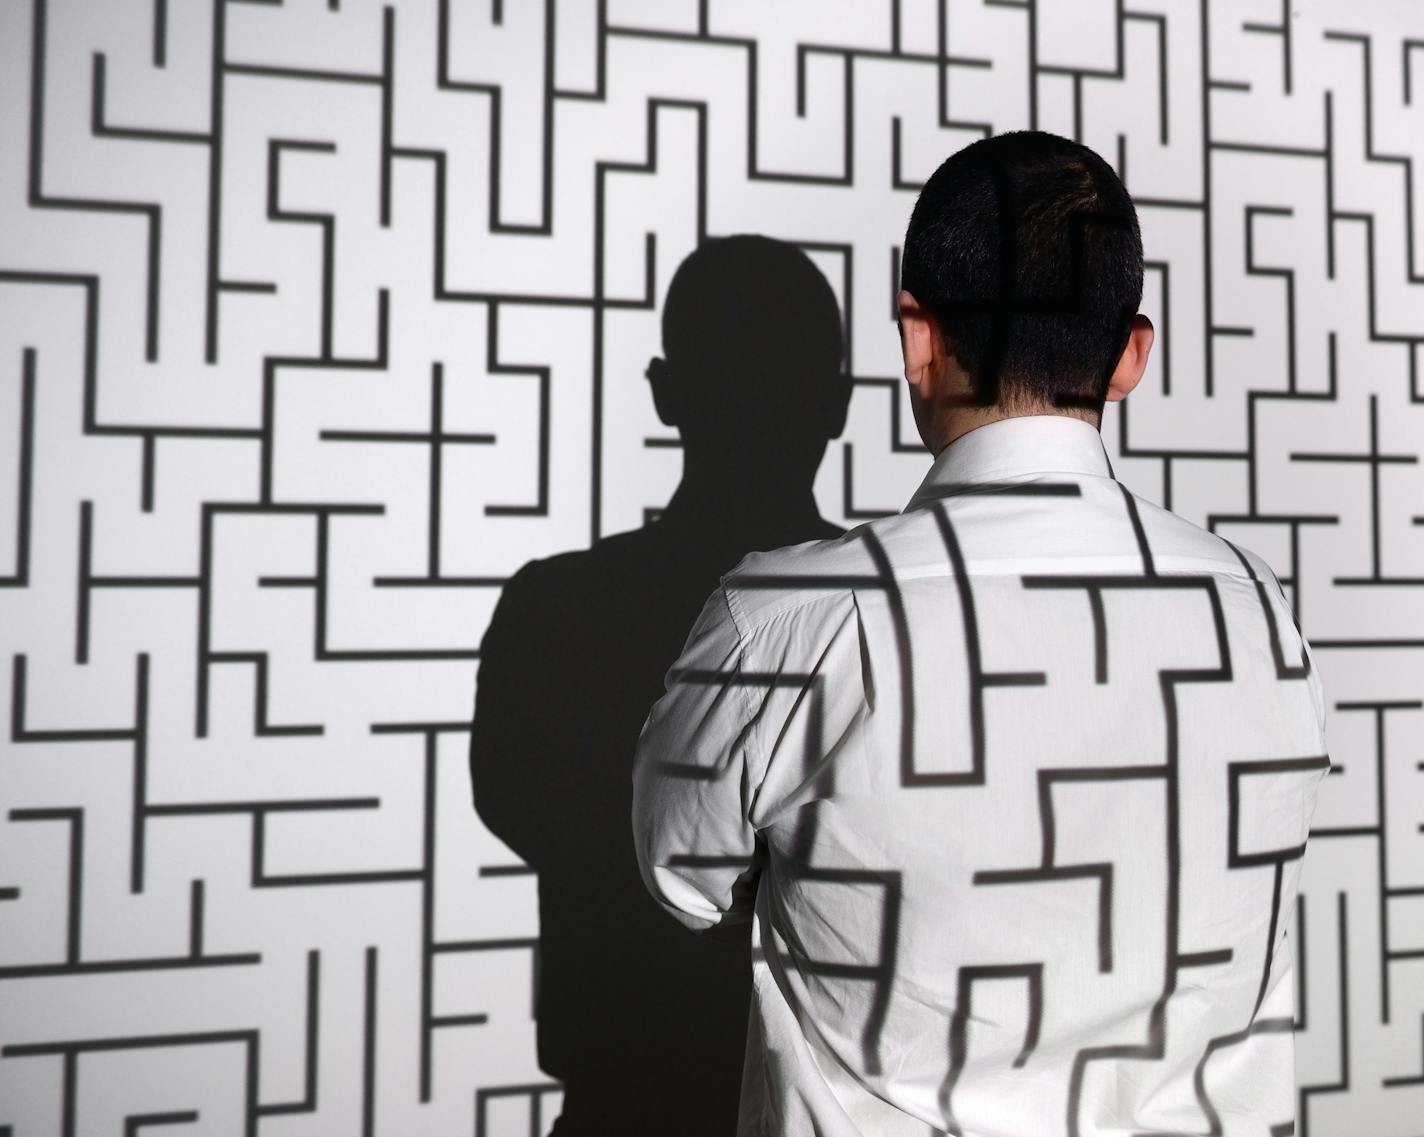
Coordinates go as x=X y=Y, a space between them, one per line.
x=694 y=776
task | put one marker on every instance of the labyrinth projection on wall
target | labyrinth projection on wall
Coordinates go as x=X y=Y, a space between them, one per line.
x=318 y=319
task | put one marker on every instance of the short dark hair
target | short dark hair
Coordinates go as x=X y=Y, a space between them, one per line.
x=1025 y=249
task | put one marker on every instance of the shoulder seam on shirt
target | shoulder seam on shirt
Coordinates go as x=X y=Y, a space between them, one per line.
x=730 y=599
x=744 y=664
x=765 y=617
x=1177 y=566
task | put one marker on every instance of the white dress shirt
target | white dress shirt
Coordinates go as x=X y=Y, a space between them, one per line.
x=1013 y=787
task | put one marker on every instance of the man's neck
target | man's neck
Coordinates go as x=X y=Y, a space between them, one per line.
x=959 y=421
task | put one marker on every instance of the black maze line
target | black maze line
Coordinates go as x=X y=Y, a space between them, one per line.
x=852 y=511
x=1006 y=489
x=25 y=474
x=368 y=1049
x=1286 y=275
x=436 y=438
x=1342 y=979
x=1414 y=275
x=1253 y=515
x=695 y=860
x=1155 y=1046
x=704 y=677
x=1047 y=778
x=1222 y=1042
x=979 y=678
x=1284 y=670
x=885 y=579
x=429 y=733
x=1235 y=771
x=943 y=60
x=1375 y=460
x=1276 y=858
x=1283 y=30
x=1032 y=974
x=895 y=385
x=323 y=514
x=1302 y=985
x=597 y=303
x=326 y=222
x=258 y=812
x=1332 y=215
x=36 y=198
x=534 y=1093
x=1387 y=954
x=215 y=284
x=382 y=85
x=70 y=1053
x=1096 y=584
x=810 y=696
x=809 y=688
x=880 y=973
x=88 y=580
x=147 y=435
x=1102 y=872
x=138 y=1122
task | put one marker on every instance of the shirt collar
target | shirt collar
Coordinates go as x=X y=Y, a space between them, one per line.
x=1014 y=447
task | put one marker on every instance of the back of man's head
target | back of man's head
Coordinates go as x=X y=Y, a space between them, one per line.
x=1025 y=248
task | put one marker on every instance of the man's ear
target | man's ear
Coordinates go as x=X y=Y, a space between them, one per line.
x=1133 y=361
x=660 y=378
x=917 y=343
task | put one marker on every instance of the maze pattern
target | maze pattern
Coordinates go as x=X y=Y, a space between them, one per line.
x=1081 y=733
x=319 y=318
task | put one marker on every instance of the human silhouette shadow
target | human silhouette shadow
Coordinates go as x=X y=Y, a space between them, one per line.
x=643 y=1021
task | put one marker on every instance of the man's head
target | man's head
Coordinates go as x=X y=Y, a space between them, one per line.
x=753 y=350
x=1020 y=278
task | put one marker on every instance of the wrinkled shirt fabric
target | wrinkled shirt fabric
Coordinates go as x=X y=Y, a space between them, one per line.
x=1014 y=788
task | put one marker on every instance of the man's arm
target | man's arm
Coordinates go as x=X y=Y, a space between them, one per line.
x=1312 y=673
x=1317 y=693
x=694 y=775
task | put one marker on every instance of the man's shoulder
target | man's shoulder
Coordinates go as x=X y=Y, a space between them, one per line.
x=816 y=574
x=1176 y=541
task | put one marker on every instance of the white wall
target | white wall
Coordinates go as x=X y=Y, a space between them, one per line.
x=199 y=625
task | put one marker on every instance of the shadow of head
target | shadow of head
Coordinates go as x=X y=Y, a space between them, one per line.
x=753 y=349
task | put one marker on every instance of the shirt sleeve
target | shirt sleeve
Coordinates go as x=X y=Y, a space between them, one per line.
x=1312 y=672
x=694 y=776
x=1317 y=694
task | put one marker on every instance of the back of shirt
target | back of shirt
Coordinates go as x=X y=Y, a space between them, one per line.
x=1020 y=780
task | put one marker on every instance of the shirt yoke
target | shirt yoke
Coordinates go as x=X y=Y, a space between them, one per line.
x=1098 y=526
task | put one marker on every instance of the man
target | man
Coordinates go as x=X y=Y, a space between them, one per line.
x=643 y=1024
x=1013 y=786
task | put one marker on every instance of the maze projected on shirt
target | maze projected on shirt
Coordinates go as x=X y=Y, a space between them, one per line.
x=1049 y=701
x=319 y=318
